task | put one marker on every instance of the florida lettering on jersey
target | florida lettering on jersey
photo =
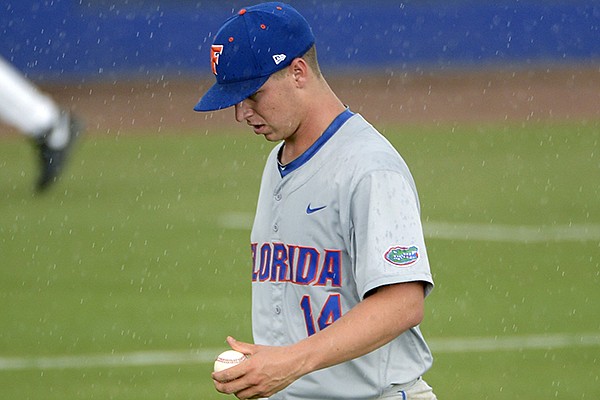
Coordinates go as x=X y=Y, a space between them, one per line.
x=300 y=265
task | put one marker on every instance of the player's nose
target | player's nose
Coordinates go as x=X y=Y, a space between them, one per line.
x=242 y=111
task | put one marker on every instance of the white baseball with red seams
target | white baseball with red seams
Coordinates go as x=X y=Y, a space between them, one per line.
x=228 y=359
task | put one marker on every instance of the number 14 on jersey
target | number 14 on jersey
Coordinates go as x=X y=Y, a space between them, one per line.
x=330 y=312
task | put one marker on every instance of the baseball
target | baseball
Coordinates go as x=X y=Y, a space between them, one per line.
x=228 y=359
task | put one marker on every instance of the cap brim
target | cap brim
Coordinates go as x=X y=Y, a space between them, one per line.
x=221 y=96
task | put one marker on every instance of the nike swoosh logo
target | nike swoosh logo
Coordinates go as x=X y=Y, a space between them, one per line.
x=313 y=210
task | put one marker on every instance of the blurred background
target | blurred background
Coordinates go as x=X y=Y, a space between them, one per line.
x=105 y=40
x=124 y=279
x=142 y=56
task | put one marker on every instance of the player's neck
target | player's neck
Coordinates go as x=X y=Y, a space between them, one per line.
x=318 y=118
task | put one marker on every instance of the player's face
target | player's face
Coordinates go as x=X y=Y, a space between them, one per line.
x=271 y=111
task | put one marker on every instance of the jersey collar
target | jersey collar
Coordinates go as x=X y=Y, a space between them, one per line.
x=314 y=148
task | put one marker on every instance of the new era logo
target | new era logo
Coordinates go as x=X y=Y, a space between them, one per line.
x=278 y=58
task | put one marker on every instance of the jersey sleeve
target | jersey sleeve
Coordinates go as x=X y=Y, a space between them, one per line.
x=387 y=235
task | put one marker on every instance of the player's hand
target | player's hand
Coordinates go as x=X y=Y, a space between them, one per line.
x=267 y=371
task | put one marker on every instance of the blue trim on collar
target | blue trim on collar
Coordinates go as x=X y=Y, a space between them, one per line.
x=314 y=148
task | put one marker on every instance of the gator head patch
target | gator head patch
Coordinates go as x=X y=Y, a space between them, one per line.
x=402 y=256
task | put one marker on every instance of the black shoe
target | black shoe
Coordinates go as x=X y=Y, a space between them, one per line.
x=52 y=161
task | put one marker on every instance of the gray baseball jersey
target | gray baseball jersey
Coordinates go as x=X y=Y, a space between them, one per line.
x=334 y=224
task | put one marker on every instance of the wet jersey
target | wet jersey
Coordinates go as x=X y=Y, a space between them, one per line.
x=334 y=224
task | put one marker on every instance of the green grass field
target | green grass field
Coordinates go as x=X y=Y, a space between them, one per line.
x=125 y=278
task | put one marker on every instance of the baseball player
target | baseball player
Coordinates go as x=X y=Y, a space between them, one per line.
x=36 y=115
x=339 y=265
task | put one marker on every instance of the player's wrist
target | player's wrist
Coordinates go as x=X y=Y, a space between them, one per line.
x=302 y=356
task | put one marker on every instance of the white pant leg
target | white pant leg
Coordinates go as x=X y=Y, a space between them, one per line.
x=419 y=390
x=22 y=105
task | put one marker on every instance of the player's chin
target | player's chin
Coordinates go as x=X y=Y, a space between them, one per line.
x=269 y=135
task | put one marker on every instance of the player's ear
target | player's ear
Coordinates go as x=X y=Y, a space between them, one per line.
x=299 y=71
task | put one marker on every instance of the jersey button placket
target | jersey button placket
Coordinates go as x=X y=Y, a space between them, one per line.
x=277 y=287
x=277 y=196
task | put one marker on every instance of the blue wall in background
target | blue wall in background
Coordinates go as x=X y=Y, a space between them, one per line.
x=101 y=39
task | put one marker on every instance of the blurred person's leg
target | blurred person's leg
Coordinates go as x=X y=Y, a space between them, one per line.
x=35 y=114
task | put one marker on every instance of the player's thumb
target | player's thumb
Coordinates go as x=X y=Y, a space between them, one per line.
x=242 y=347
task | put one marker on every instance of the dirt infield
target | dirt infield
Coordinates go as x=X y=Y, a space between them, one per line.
x=520 y=94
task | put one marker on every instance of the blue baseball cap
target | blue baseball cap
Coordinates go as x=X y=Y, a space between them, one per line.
x=250 y=46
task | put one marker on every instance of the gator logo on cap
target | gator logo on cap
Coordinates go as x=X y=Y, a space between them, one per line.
x=402 y=256
x=215 y=52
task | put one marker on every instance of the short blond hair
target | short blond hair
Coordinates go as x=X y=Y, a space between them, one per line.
x=311 y=60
